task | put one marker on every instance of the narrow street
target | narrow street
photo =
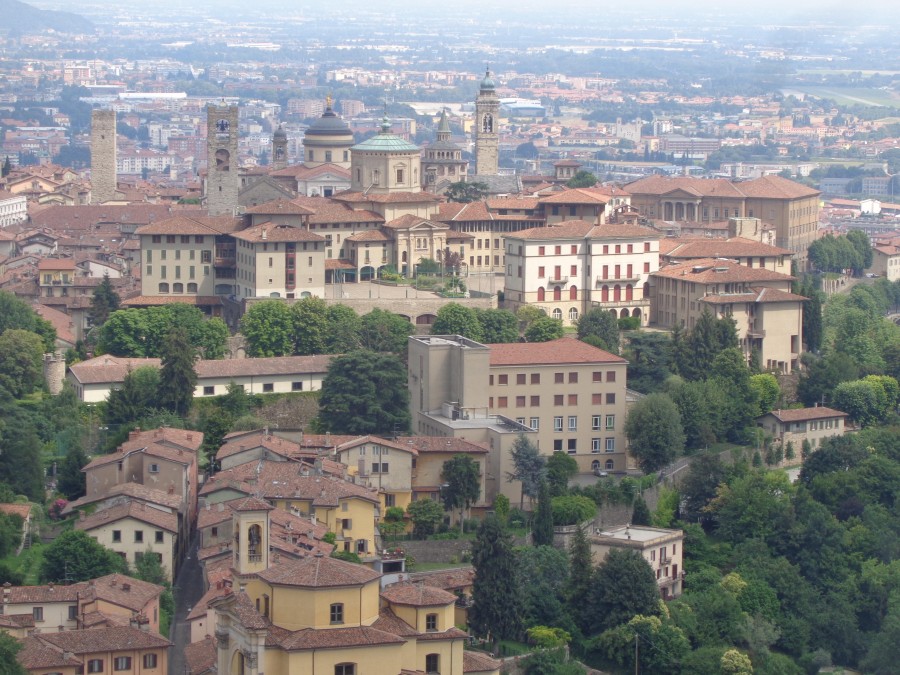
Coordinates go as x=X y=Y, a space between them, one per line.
x=188 y=590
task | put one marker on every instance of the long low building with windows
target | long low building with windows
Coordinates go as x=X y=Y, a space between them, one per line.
x=95 y=378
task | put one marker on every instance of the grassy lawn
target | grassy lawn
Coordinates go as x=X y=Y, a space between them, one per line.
x=28 y=564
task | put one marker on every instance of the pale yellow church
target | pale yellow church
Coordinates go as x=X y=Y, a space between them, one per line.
x=329 y=617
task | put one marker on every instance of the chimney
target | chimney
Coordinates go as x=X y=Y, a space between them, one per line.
x=265 y=234
x=134 y=433
x=126 y=588
x=171 y=489
x=190 y=436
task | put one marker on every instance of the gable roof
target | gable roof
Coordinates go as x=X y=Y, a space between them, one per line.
x=718 y=270
x=135 y=510
x=805 y=414
x=119 y=638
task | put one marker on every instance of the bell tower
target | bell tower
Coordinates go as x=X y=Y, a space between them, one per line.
x=279 y=148
x=487 y=128
x=250 y=523
x=222 y=181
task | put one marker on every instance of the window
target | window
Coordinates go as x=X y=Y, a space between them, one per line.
x=558 y=399
x=598 y=376
x=390 y=500
x=345 y=669
x=535 y=423
x=503 y=379
x=572 y=446
x=595 y=422
x=520 y=378
x=557 y=445
x=268 y=388
x=573 y=423
x=157 y=239
x=215 y=531
x=541 y=251
x=95 y=666
x=573 y=399
x=337 y=612
x=502 y=401
x=541 y=273
x=122 y=663
x=559 y=378
x=433 y=663
x=558 y=423
x=595 y=445
x=610 y=399
x=535 y=378
x=170 y=238
x=149 y=660
x=610 y=422
x=138 y=536
x=73 y=612
x=158 y=536
x=38 y=613
x=431 y=622
x=535 y=401
x=206 y=256
x=520 y=401
x=610 y=376
x=596 y=399
x=573 y=378
x=209 y=391
x=296 y=386
x=154 y=468
x=610 y=444
x=117 y=536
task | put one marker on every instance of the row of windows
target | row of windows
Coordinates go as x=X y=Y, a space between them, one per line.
x=268 y=388
x=138 y=536
x=597 y=423
x=120 y=663
x=170 y=239
x=558 y=378
x=558 y=400
x=573 y=249
x=163 y=271
x=205 y=255
x=597 y=445
x=177 y=287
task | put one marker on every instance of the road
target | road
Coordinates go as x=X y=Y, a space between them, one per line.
x=188 y=589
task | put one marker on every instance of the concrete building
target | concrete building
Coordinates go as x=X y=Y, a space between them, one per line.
x=661 y=548
x=13 y=209
x=804 y=424
x=769 y=316
x=222 y=179
x=886 y=259
x=103 y=156
x=279 y=261
x=487 y=128
x=746 y=252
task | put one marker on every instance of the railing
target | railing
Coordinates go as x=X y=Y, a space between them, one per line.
x=636 y=302
x=255 y=557
x=561 y=279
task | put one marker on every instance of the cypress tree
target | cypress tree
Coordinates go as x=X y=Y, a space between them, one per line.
x=497 y=608
x=177 y=377
x=581 y=567
x=542 y=532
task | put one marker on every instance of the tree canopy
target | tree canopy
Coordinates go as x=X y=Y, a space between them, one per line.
x=602 y=327
x=76 y=556
x=462 y=477
x=654 y=432
x=529 y=466
x=497 y=608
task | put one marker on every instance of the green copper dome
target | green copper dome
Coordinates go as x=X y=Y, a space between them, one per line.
x=386 y=141
x=487 y=84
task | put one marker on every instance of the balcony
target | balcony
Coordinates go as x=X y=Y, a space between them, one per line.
x=622 y=279
x=756 y=333
x=224 y=261
x=560 y=279
x=636 y=302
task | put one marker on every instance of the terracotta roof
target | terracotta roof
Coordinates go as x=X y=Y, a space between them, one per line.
x=805 y=414
x=319 y=571
x=196 y=225
x=37 y=654
x=135 y=510
x=200 y=657
x=563 y=350
x=245 y=611
x=476 y=662
x=389 y=198
x=391 y=623
x=718 y=270
x=243 y=441
x=135 y=491
x=252 y=504
x=409 y=221
x=570 y=229
x=767 y=187
x=442 y=444
x=124 y=591
x=67 y=218
x=450 y=580
x=576 y=196
x=56 y=264
x=119 y=638
x=377 y=440
x=335 y=264
x=735 y=247
x=269 y=231
x=513 y=203
x=417 y=595
x=369 y=235
x=622 y=231
x=62 y=322
x=301 y=172
x=201 y=607
x=108 y=369
x=776 y=187
x=463 y=212
x=336 y=638
x=17 y=620
x=43 y=594
x=21 y=510
x=281 y=206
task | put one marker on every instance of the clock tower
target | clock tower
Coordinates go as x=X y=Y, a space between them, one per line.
x=222 y=181
x=487 y=128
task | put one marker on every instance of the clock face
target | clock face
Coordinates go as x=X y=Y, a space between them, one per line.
x=222 y=126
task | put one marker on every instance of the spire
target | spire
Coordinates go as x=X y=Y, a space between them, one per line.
x=444 y=124
x=328 y=102
x=385 y=121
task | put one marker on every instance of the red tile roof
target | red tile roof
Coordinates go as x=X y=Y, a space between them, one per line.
x=136 y=511
x=95 y=640
x=269 y=231
x=417 y=595
x=186 y=225
x=805 y=414
x=319 y=571
x=563 y=350
x=736 y=247
x=476 y=662
x=281 y=206
x=576 y=196
x=37 y=654
x=21 y=510
x=718 y=270
x=336 y=638
x=442 y=444
x=200 y=657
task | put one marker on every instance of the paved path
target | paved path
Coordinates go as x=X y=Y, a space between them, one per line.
x=188 y=590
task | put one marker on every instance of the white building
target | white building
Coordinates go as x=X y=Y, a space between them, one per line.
x=661 y=548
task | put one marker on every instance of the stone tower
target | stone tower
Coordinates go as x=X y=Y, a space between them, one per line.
x=55 y=371
x=103 y=156
x=487 y=128
x=250 y=524
x=443 y=162
x=279 y=149
x=222 y=181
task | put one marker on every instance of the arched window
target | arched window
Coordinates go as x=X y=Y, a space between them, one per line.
x=191 y=287
x=223 y=160
x=178 y=287
x=557 y=313
x=254 y=543
x=647 y=289
x=604 y=294
x=629 y=292
x=541 y=294
x=573 y=292
x=617 y=293
x=610 y=465
x=487 y=124
x=163 y=287
x=573 y=315
x=595 y=465
x=345 y=669
x=557 y=293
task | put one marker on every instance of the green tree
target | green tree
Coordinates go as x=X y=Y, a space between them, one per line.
x=268 y=328
x=542 y=525
x=561 y=467
x=697 y=404
x=462 y=478
x=640 y=513
x=622 y=586
x=384 y=331
x=863 y=400
x=496 y=591
x=546 y=570
x=21 y=361
x=426 y=515
x=736 y=663
x=755 y=506
x=309 y=323
x=344 y=327
x=821 y=375
x=860 y=242
x=10 y=533
x=698 y=488
x=215 y=427
x=177 y=377
x=9 y=646
x=527 y=315
x=464 y=191
x=365 y=393
x=581 y=569
x=497 y=325
x=393 y=523
x=455 y=319
x=104 y=302
x=661 y=644
x=135 y=398
x=654 y=431
x=572 y=509
x=124 y=333
x=766 y=390
x=528 y=467
x=21 y=467
x=14 y=313
x=601 y=325
x=649 y=361
x=501 y=507
x=582 y=179
x=544 y=329
x=71 y=482
x=76 y=556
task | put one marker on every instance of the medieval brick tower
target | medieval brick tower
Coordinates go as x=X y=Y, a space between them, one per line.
x=487 y=128
x=222 y=182
x=103 y=156
x=279 y=149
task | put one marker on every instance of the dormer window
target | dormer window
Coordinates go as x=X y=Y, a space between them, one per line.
x=337 y=613
x=431 y=622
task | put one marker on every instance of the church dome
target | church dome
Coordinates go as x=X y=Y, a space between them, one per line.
x=329 y=124
x=280 y=134
x=487 y=84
